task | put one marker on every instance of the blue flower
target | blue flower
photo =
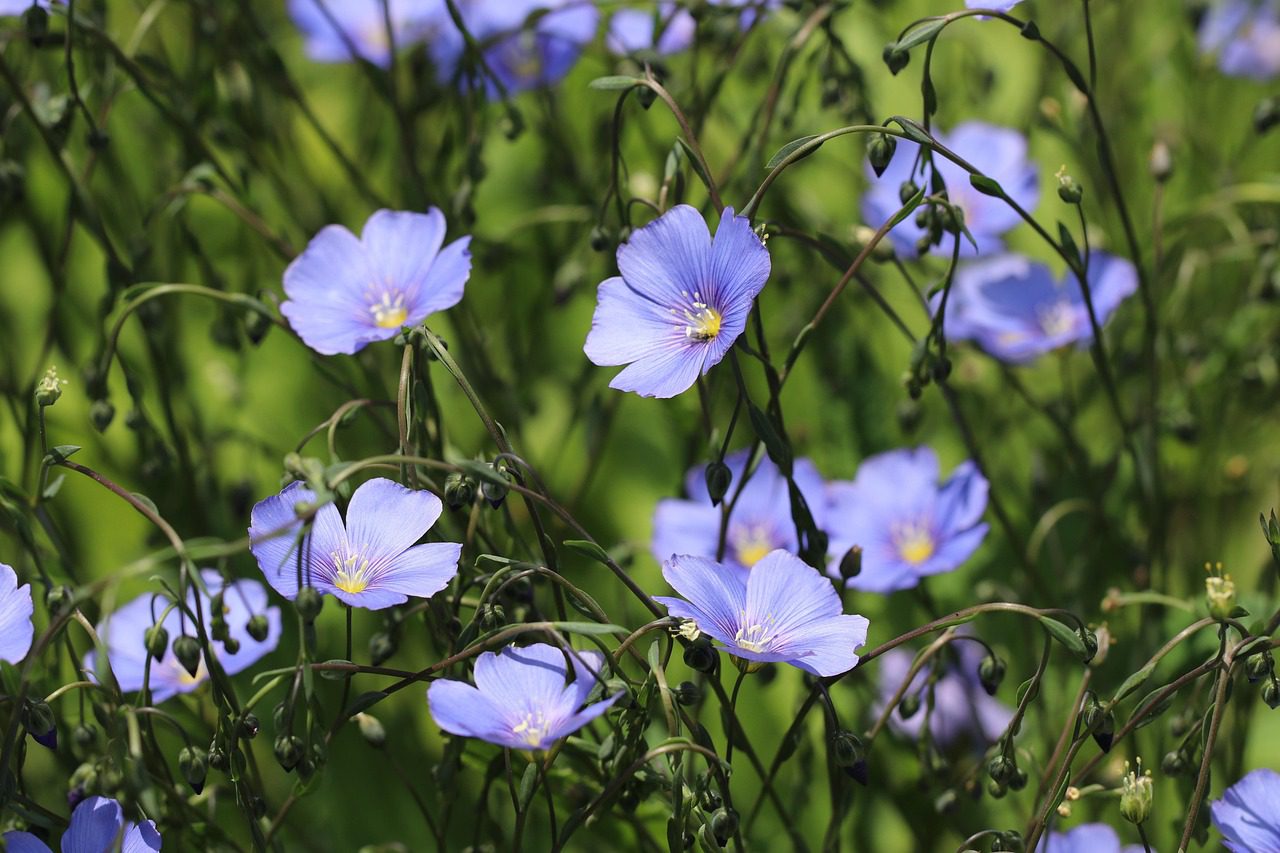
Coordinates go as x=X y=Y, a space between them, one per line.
x=124 y=634
x=961 y=707
x=994 y=5
x=999 y=153
x=346 y=291
x=520 y=699
x=1016 y=310
x=907 y=525
x=1086 y=838
x=782 y=610
x=521 y=57
x=1245 y=34
x=369 y=562
x=633 y=30
x=1248 y=815
x=97 y=826
x=341 y=30
x=16 y=608
x=680 y=303
x=760 y=522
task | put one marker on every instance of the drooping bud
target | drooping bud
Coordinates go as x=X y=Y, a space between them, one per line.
x=907 y=190
x=1001 y=769
x=459 y=491
x=193 y=763
x=492 y=616
x=157 y=641
x=847 y=748
x=991 y=673
x=1258 y=667
x=231 y=644
x=496 y=493
x=1271 y=693
x=101 y=413
x=719 y=478
x=309 y=603
x=700 y=656
x=724 y=825
x=57 y=598
x=382 y=646
x=289 y=750
x=1137 y=794
x=249 y=726
x=851 y=563
x=187 y=650
x=38 y=720
x=895 y=58
x=880 y=152
x=1174 y=763
x=1009 y=840
x=1267 y=114
x=371 y=729
x=49 y=388
x=1068 y=190
x=909 y=706
x=686 y=693
x=36 y=21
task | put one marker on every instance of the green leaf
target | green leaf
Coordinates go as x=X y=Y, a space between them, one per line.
x=985 y=185
x=588 y=549
x=528 y=784
x=907 y=209
x=61 y=453
x=779 y=451
x=922 y=34
x=615 y=83
x=695 y=163
x=336 y=674
x=1134 y=681
x=790 y=148
x=590 y=628
x=1065 y=635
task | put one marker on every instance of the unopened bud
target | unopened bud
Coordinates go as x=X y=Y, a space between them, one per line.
x=1068 y=190
x=1009 y=840
x=895 y=58
x=231 y=645
x=880 y=152
x=157 y=641
x=250 y=726
x=1271 y=693
x=496 y=493
x=57 y=598
x=1267 y=114
x=1174 y=763
x=49 y=388
x=459 y=491
x=492 y=616
x=382 y=646
x=1220 y=594
x=847 y=748
x=289 y=750
x=309 y=603
x=258 y=627
x=36 y=21
x=909 y=706
x=718 y=478
x=1160 y=162
x=907 y=190
x=371 y=729
x=187 y=650
x=1258 y=667
x=686 y=693
x=1001 y=769
x=700 y=656
x=724 y=825
x=991 y=673
x=38 y=719
x=101 y=413
x=193 y=762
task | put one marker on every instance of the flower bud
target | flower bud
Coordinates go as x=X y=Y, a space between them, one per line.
x=289 y=750
x=909 y=706
x=101 y=413
x=1174 y=763
x=459 y=491
x=36 y=21
x=991 y=673
x=1258 y=667
x=492 y=616
x=38 y=719
x=371 y=729
x=258 y=627
x=700 y=656
x=880 y=152
x=49 y=388
x=907 y=190
x=1271 y=530
x=218 y=758
x=382 y=646
x=1068 y=190
x=1220 y=595
x=1019 y=780
x=157 y=641
x=1001 y=769
x=847 y=748
x=1008 y=840
x=57 y=598
x=496 y=493
x=1136 y=795
x=309 y=603
x=187 y=650
x=851 y=563
x=1160 y=162
x=895 y=58
x=249 y=726
x=724 y=825
x=193 y=762
x=231 y=645
x=719 y=478
x=256 y=326
x=1271 y=693
x=1267 y=114
x=996 y=790
x=686 y=693
x=599 y=239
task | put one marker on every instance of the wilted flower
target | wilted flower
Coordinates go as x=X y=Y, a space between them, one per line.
x=1248 y=815
x=346 y=291
x=520 y=699
x=1016 y=310
x=97 y=826
x=16 y=608
x=522 y=57
x=1245 y=35
x=1086 y=838
x=632 y=30
x=781 y=611
x=342 y=30
x=961 y=704
x=999 y=153
x=908 y=525
x=125 y=634
x=680 y=303
x=369 y=562
x=760 y=521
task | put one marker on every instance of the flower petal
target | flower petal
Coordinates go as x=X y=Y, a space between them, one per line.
x=1248 y=815
x=666 y=373
x=953 y=551
x=24 y=842
x=461 y=709
x=384 y=518
x=94 y=827
x=962 y=499
x=445 y=281
x=791 y=594
x=575 y=721
x=277 y=552
x=668 y=258
x=628 y=326
x=525 y=677
x=325 y=285
x=685 y=527
x=421 y=571
x=827 y=647
x=16 y=607
x=141 y=838
x=714 y=590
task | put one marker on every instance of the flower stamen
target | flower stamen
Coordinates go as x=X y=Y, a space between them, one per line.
x=389 y=312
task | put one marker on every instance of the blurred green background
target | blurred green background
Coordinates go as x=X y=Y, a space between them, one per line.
x=178 y=87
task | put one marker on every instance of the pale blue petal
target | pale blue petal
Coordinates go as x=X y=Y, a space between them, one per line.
x=790 y=594
x=826 y=647
x=446 y=280
x=952 y=552
x=627 y=327
x=326 y=287
x=141 y=838
x=718 y=592
x=962 y=499
x=665 y=373
x=23 y=842
x=384 y=519
x=575 y=721
x=95 y=826
x=1086 y=838
x=461 y=709
x=685 y=527
x=16 y=607
x=1248 y=815
x=421 y=572
x=669 y=257
x=524 y=677
x=401 y=246
x=278 y=555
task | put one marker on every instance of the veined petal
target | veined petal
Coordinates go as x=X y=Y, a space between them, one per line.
x=461 y=709
x=826 y=647
x=685 y=527
x=1248 y=815
x=523 y=677
x=665 y=373
x=962 y=499
x=141 y=838
x=716 y=591
x=16 y=607
x=577 y=720
x=401 y=245
x=421 y=571
x=23 y=842
x=739 y=265
x=788 y=593
x=953 y=551
x=1086 y=838
x=668 y=258
x=384 y=518
x=95 y=825
x=445 y=281
x=274 y=533
x=628 y=326
x=325 y=285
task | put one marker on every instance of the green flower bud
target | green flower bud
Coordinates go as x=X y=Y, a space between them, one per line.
x=851 y=563
x=218 y=758
x=371 y=729
x=495 y=493
x=157 y=641
x=38 y=719
x=1174 y=763
x=250 y=726
x=907 y=190
x=84 y=736
x=895 y=58
x=686 y=693
x=57 y=598
x=1068 y=190
x=909 y=706
x=880 y=152
x=701 y=656
x=193 y=763
x=187 y=650
x=459 y=491
x=101 y=413
x=231 y=644
x=492 y=616
x=724 y=825
x=847 y=749
x=1008 y=840
x=289 y=750
x=49 y=388
x=256 y=326
x=719 y=478
x=991 y=673
x=258 y=627
x=382 y=646
x=36 y=21
x=1271 y=693
x=309 y=603
x=1258 y=667
x=1001 y=769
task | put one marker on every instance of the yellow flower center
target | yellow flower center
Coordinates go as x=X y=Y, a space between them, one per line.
x=701 y=321
x=353 y=574
x=755 y=637
x=914 y=543
x=532 y=728
x=752 y=545
x=389 y=312
x=1057 y=319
